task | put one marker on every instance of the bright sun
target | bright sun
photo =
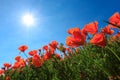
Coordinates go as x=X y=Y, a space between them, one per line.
x=28 y=19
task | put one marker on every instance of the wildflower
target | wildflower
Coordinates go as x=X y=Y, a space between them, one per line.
x=75 y=42
x=23 y=48
x=99 y=40
x=47 y=56
x=36 y=60
x=7 y=65
x=22 y=63
x=17 y=58
x=1 y=71
x=76 y=39
x=72 y=30
x=53 y=44
x=91 y=28
x=107 y=30
x=52 y=50
x=115 y=19
x=16 y=65
x=33 y=52
x=19 y=64
x=57 y=56
x=7 y=78
x=45 y=47
x=116 y=37
x=70 y=41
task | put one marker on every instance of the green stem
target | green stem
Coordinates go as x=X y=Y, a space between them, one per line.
x=102 y=69
x=98 y=65
x=114 y=53
x=25 y=54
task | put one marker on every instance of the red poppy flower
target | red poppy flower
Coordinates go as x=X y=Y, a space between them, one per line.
x=36 y=60
x=23 y=48
x=16 y=65
x=91 y=28
x=72 y=30
x=57 y=56
x=70 y=41
x=75 y=42
x=45 y=47
x=7 y=65
x=107 y=30
x=22 y=63
x=79 y=37
x=33 y=52
x=47 y=56
x=53 y=44
x=76 y=39
x=7 y=78
x=116 y=37
x=115 y=19
x=52 y=50
x=1 y=71
x=99 y=40
x=17 y=58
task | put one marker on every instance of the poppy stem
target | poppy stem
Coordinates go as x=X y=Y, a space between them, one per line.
x=114 y=53
x=98 y=65
x=25 y=54
x=112 y=24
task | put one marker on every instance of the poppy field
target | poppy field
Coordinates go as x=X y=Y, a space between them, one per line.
x=89 y=54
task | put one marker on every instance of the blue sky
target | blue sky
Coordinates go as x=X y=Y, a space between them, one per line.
x=53 y=19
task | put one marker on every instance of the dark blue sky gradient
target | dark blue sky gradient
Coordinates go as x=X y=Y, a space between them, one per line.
x=53 y=19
